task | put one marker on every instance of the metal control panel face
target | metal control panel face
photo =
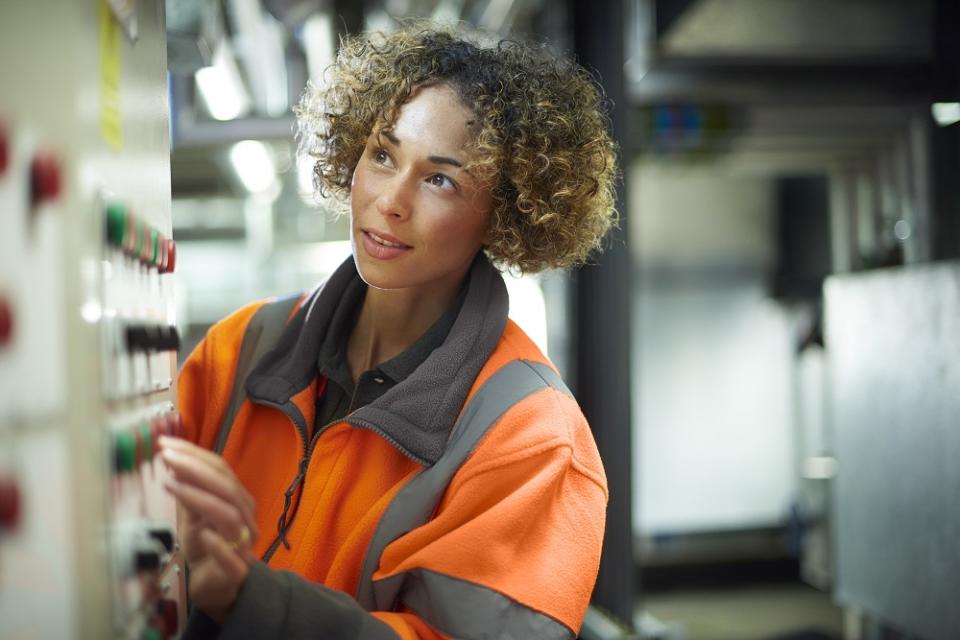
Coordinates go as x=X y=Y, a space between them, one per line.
x=88 y=328
x=32 y=332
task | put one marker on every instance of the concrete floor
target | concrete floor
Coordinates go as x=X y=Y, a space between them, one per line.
x=780 y=611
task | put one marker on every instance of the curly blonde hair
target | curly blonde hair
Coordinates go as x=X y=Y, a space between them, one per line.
x=542 y=133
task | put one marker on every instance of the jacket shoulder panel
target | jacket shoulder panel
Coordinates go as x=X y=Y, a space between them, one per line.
x=548 y=419
x=547 y=416
x=206 y=378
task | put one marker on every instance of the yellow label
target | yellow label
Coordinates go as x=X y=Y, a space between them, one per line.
x=110 y=77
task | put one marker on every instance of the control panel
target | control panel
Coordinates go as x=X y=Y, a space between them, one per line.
x=88 y=328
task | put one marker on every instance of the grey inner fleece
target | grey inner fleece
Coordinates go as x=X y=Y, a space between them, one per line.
x=417 y=414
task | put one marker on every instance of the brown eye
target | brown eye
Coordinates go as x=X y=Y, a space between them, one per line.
x=380 y=156
x=441 y=181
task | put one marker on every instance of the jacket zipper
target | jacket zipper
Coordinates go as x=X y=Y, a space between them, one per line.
x=299 y=481
x=296 y=417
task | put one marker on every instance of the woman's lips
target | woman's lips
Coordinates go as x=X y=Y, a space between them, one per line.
x=382 y=246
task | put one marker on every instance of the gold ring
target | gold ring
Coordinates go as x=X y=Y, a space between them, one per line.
x=242 y=539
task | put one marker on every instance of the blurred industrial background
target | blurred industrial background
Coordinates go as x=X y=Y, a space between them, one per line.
x=768 y=351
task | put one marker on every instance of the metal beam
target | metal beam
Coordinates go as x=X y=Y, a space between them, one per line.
x=601 y=301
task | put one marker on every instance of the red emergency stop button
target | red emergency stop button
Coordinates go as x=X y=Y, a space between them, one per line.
x=9 y=503
x=6 y=323
x=45 y=178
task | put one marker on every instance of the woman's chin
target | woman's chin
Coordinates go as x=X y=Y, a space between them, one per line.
x=375 y=278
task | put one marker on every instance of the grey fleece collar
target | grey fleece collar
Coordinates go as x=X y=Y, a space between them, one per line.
x=416 y=415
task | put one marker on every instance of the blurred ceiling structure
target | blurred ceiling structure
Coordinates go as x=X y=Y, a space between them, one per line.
x=785 y=85
x=772 y=85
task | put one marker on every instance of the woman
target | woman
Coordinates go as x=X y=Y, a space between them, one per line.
x=405 y=462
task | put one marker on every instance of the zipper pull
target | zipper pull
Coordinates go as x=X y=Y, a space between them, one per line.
x=282 y=524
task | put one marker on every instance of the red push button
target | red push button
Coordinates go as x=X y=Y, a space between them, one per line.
x=167 y=618
x=6 y=323
x=174 y=425
x=178 y=430
x=4 y=149
x=9 y=503
x=45 y=178
x=171 y=256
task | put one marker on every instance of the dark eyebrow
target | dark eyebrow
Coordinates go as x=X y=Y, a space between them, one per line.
x=445 y=160
x=434 y=159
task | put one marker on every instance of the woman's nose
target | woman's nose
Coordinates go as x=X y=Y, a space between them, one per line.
x=394 y=200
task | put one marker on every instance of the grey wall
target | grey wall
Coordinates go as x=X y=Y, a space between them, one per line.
x=714 y=446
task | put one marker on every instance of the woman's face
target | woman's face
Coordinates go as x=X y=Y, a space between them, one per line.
x=417 y=217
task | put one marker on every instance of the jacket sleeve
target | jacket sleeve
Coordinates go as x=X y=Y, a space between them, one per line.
x=513 y=550
x=512 y=553
x=281 y=604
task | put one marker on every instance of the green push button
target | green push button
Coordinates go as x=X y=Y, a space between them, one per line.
x=155 y=244
x=124 y=451
x=146 y=441
x=116 y=224
x=151 y=633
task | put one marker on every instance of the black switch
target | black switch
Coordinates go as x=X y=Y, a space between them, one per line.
x=154 y=338
x=174 y=339
x=137 y=337
x=169 y=339
x=164 y=536
x=146 y=560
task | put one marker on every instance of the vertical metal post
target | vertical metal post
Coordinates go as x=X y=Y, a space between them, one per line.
x=601 y=303
x=945 y=141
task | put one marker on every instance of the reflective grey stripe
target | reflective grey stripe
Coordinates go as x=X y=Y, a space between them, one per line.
x=465 y=610
x=551 y=377
x=262 y=332
x=415 y=502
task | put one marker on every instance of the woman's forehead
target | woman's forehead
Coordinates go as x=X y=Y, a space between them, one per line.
x=433 y=116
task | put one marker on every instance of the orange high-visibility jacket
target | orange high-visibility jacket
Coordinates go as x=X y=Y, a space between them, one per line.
x=413 y=517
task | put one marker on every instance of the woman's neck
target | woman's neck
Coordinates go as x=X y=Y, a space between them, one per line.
x=390 y=322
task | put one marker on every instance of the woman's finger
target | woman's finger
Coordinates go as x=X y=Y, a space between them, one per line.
x=186 y=447
x=222 y=516
x=191 y=469
x=188 y=469
x=229 y=560
x=214 y=461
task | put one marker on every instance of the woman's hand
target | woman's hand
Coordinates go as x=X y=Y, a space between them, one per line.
x=217 y=525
